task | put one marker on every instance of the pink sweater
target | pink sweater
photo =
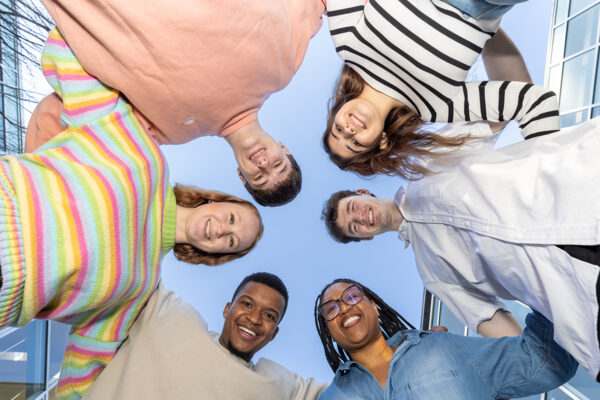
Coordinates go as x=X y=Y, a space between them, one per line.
x=194 y=67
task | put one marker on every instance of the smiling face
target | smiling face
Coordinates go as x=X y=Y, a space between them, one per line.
x=355 y=326
x=222 y=227
x=262 y=162
x=357 y=128
x=363 y=216
x=251 y=320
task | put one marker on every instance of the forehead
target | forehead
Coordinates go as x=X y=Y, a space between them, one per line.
x=334 y=291
x=264 y=296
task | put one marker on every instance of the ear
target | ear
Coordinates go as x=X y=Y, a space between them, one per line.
x=383 y=142
x=363 y=192
x=375 y=307
x=274 y=333
x=226 y=310
x=285 y=150
x=241 y=176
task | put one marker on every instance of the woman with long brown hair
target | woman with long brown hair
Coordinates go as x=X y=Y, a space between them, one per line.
x=405 y=64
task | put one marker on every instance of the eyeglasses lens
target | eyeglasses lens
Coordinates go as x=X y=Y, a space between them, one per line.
x=331 y=309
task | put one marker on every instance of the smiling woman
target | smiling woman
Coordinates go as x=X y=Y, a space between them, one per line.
x=213 y=227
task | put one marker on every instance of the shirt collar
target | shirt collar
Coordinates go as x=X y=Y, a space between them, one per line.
x=403 y=230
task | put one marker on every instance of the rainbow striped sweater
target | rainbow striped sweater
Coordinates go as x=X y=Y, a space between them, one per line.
x=84 y=222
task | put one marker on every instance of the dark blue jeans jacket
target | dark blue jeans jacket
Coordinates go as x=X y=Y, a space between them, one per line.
x=444 y=366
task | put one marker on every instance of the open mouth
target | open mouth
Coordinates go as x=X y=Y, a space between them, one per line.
x=257 y=153
x=371 y=217
x=207 y=229
x=248 y=333
x=350 y=321
x=357 y=122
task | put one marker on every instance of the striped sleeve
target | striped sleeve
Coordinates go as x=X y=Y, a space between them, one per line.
x=342 y=14
x=84 y=360
x=535 y=108
x=85 y=99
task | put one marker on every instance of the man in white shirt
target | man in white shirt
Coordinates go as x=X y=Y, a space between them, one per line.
x=170 y=354
x=521 y=222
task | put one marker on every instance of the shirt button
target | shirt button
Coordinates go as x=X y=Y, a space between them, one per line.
x=189 y=120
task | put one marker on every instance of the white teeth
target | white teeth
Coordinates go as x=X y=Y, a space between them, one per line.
x=208 y=229
x=350 y=320
x=357 y=121
x=247 y=331
x=371 y=217
x=258 y=153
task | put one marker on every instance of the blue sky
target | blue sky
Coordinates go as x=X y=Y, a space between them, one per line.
x=295 y=245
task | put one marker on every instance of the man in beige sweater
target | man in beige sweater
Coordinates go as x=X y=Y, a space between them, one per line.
x=170 y=353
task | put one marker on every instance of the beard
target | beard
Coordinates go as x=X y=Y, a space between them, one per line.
x=244 y=355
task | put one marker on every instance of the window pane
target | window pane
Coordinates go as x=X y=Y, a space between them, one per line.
x=582 y=385
x=554 y=77
x=581 y=31
x=561 y=11
x=22 y=361
x=451 y=322
x=576 y=86
x=558 y=44
x=578 y=5
x=595 y=112
x=573 y=118
x=58 y=344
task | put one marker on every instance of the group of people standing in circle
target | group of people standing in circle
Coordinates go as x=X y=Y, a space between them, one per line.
x=89 y=210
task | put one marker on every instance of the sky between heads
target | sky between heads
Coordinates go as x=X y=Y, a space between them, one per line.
x=295 y=245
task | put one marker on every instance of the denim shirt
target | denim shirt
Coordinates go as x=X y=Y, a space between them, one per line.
x=444 y=366
x=484 y=8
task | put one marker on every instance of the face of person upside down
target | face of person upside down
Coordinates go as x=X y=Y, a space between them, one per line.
x=357 y=128
x=222 y=227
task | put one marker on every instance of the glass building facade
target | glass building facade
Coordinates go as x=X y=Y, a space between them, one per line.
x=572 y=68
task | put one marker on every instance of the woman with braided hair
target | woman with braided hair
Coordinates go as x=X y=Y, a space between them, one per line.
x=376 y=355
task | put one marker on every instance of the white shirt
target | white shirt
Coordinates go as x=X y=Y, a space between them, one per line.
x=484 y=227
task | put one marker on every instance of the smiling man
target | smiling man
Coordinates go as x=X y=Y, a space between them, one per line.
x=170 y=354
x=200 y=68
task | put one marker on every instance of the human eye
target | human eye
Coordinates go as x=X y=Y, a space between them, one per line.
x=231 y=219
x=277 y=164
x=270 y=316
x=246 y=303
x=352 y=206
x=355 y=142
x=231 y=241
x=338 y=128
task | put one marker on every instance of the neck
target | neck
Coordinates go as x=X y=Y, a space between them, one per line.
x=382 y=102
x=181 y=216
x=236 y=138
x=376 y=358
x=396 y=216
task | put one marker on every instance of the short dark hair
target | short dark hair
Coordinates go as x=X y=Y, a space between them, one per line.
x=266 y=278
x=284 y=192
x=330 y=214
x=390 y=322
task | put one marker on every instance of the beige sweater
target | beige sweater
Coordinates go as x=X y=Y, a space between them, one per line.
x=170 y=354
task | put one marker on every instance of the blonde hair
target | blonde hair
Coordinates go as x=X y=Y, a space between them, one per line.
x=192 y=197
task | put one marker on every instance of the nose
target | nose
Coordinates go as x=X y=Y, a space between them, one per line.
x=220 y=230
x=360 y=216
x=349 y=130
x=254 y=316
x=262 y=161
x=344 y=307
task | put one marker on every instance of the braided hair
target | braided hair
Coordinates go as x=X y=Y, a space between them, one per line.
x=390 y=322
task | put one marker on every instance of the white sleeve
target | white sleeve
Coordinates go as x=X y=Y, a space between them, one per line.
x=292 y=386
x=480 y=132
x=344 y=13
x=467 y=303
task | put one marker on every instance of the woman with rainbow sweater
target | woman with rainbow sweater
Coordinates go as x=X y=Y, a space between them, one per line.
x=86 y=219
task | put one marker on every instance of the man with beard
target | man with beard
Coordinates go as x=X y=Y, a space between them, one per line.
x=171 y=354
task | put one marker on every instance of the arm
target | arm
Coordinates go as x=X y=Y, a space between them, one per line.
x=503 y=62
x=44 y=123
x=500 y=325
x=85 y=359
x=84 y=98
x=521 y=366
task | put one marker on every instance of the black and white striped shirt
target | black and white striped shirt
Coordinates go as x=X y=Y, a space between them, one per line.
x=420 y=51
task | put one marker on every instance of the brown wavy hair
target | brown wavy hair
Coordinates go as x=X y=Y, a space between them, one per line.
x=408 y=147
x=192 y=197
